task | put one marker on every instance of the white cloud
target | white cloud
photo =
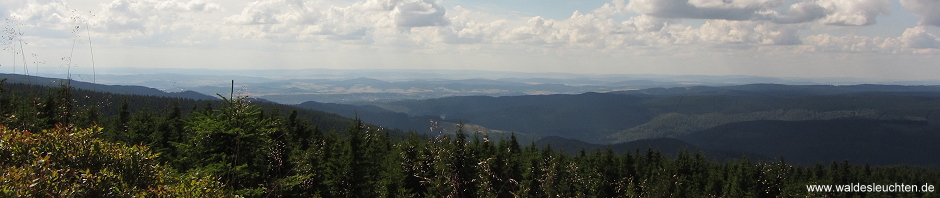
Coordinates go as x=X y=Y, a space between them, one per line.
x=274 y=12
x=415 y=24
x=156 y=22
x=7 y=6
x=928 y=10
x=646 y=23
x=913 y=41
x=466 y=28
x=418 y=13
x=918 y=37
x=52 y=14
x=831 y=12
x=144 y=22
x=596 y=30
x=370 y=13
x=850 y=43
x=755 y=32
x=425 y=26
x=618 y=7
x=853 y=12
x=364 y=21
x=703 y=9
x=579 y=31
x=802 y=12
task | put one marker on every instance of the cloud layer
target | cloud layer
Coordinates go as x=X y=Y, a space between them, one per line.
x=427 y=26
x=702 y=9
x=294 y=19
x=835 y=12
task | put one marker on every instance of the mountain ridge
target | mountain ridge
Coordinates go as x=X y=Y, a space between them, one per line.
x=116 y=89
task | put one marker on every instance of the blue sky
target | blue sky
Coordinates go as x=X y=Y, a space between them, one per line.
x=875 y=39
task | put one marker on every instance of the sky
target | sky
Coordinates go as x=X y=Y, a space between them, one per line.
x=872 y=39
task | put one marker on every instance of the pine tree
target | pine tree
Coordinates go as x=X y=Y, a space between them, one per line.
x=233 y=143
x=463 y=166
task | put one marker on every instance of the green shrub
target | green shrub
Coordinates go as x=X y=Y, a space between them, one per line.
x=68 y=162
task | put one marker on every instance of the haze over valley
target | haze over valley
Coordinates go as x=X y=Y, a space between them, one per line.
x=364 y=86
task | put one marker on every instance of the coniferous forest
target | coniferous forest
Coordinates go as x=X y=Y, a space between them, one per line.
x=65 y=142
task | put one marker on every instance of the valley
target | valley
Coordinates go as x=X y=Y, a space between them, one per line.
x=771 y=118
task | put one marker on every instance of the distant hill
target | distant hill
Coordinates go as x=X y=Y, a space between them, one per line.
x=373 y=115
x=656 y=113
x=877 y=142
x=782 y=90
x=876 y=124
x=420 y=124
x=108 y=103
x=678 y=115
x=588 y=117
x=666 y=146
x=364 y=90
x=116 y=89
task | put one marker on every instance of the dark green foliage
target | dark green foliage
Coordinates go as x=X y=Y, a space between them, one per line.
x=234 y=147
x=235 y=143
x=593 y=115
x=661 y=113
x=877 y=142
x=69 y=162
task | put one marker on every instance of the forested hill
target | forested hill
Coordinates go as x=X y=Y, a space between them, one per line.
x=588 y=117
x=667 y=146
x=784 y=90
x=615 y=117
x=876 y=142
x=115 y=89
x=374 y=115
x=62 y=142
x=104 y=103
x=624 y=117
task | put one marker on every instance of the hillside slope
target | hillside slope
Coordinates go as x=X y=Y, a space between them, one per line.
x=108 y=102
x=115 y=89
x=878 y=142
x=657 y=113
x=666 y=146
x=589 y=117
